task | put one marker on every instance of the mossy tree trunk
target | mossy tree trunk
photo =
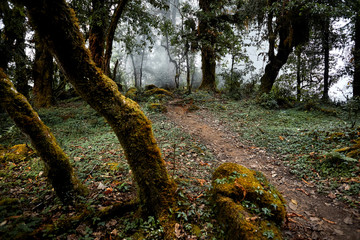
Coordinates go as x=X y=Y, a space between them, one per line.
x=57 y=164
x=57 y=25
x=43 y=70
x=207 y=46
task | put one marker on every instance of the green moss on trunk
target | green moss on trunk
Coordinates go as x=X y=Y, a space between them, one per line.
x=57 y=164
x=57 y=25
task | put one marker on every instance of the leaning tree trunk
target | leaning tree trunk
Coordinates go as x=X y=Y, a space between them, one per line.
x=57 y=164
x=356 y=80
x=57 y=25
x=293 y=30
x=276 y=61
x=43 y=75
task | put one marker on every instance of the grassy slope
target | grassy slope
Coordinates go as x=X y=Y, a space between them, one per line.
x=303 y=139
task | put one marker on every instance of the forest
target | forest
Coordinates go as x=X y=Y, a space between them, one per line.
x=179 y=119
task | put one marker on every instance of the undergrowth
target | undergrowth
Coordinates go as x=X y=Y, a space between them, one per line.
x=28 y=203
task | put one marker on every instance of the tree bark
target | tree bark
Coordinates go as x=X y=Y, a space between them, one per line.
x=57 y=25
x=276 y=62
x=111 y=33
x=298 y=74
x=356 y=80
x=326 y=51
x=57 y=164
x=97 y=32
x=293 y=30
x=43 y=70
x=207 y=48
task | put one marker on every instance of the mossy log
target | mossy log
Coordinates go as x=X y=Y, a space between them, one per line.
x=56 y=24
x=58 y=168
x=246 y=205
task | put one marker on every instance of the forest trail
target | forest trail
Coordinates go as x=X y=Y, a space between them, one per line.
x=311 y=215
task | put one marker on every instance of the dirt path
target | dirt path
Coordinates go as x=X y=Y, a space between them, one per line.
x=311 y=215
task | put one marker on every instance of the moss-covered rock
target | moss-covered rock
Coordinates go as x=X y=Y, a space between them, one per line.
x=157 y=91
x=157 y=107
x=246 y=205
x=132 y=93
x=15 y=153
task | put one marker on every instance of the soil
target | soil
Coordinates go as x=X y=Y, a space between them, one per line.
x=311 y=215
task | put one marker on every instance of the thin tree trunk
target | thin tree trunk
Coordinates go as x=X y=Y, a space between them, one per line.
x=356 y=80
x=298 y=73
x=173 y=61
x=43 y=75
x=111 y=33
x=57 y=164
x=141 y=67
x=56 y=23
x=115 y=69
x=188 y=69
x=135 y=71
x=326 y=49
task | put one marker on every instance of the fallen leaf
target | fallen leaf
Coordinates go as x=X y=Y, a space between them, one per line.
x=203 y=163
x=101 y=186
x=294 y=201
x=281 y=138
x=348 y=221
x=314 y=219
x=339 y=232
x=292 y=206
x=114 y=232
x=178 y=230
x=331 y=195
x=108 y=191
